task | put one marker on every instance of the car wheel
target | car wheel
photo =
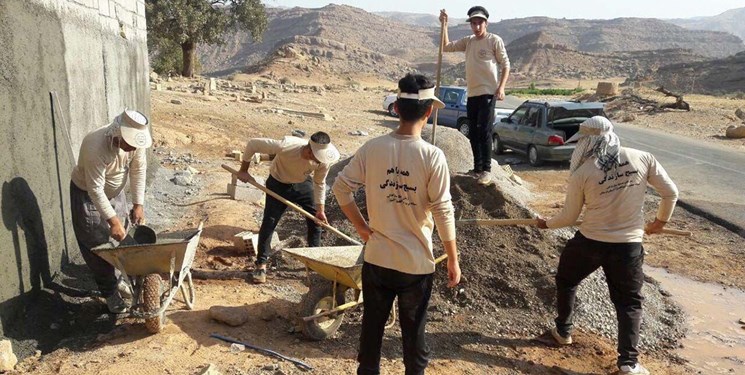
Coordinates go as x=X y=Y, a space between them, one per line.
x=533 y=157
x=463 y=126
x=496 y=145
x=392 y=110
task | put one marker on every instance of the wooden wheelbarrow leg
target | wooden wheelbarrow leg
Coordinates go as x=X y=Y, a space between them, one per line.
x=293 y=206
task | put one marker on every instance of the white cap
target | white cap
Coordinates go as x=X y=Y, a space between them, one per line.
x=134 y=129
x=424 y=94
x=325 y=153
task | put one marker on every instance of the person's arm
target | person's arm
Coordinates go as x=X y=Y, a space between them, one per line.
x=95 y=180
x=665 y=187
x=575 y=200
x=504 y=63
x=319 y=190
x=254 y=146
x=441 y=206
x=137 y=176
x=447 y=45
x=351 y=178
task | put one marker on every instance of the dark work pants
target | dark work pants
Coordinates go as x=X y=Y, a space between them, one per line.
x=480 y=110
x=92 y=230
x=300 y=194
x=379 y=287
x=622 y=265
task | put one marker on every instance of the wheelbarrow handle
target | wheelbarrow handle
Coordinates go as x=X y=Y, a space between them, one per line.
x=295 y=207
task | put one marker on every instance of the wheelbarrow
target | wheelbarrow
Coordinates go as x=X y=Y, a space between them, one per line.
x=141 y=267
x=323 y=306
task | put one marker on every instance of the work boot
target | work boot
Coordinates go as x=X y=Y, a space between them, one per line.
x=636 y=369
x=124 y=291
x=561 y=340
x=473 y=173
x=115 y=304
x=259 y=276
x=485 y=178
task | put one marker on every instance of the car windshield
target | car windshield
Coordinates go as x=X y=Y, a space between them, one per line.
x=561 y=115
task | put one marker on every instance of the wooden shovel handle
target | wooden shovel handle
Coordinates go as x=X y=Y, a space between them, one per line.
x=295 y=207
x=501 y=222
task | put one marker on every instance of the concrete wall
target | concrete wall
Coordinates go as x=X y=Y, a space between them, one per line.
x=93 y=54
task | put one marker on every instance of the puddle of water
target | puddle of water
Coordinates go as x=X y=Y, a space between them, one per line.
x=715 y=343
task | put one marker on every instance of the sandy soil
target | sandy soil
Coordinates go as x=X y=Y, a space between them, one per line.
x=210 y=127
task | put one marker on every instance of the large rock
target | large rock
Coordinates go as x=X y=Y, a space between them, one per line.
x=8 y=359
x=454 y=144
x=740 y=114
x=233 y=316
x=607 y=88
x=736 y=132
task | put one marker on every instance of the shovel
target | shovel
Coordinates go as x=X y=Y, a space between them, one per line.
x=293 y=206
x=503 y=222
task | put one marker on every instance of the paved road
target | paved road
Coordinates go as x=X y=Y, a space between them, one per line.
x=710 y=178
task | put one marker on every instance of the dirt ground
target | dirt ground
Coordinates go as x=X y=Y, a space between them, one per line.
x=208 y=128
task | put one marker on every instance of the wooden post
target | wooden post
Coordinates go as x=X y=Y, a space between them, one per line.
x=437 y=82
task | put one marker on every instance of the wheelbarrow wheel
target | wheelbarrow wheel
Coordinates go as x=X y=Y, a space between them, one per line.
x=151 y=302
x=187 y=291
x=318 y=300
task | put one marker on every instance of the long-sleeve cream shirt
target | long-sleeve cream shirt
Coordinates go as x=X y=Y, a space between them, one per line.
x=614 y=201
x=102 y=171
x=407 y=188
x=288 y=165
x=482 y=57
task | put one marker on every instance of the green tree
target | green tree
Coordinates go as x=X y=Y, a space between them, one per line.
x=190 y=22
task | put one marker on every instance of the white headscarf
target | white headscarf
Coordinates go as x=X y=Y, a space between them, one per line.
x=596 y=139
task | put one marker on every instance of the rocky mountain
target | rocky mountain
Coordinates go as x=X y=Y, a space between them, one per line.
x=620 y=34
x=339 y=27
x=730 y=21
x=712 y=76
x=418 y=19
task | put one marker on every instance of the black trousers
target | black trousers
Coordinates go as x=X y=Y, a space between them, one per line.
x=300 y=194
x=480 y=111
x=622 y=265
x=379 y=287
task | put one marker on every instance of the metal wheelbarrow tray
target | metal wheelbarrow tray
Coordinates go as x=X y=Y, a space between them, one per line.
x=142 y=265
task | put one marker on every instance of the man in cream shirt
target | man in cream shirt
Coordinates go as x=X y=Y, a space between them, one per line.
x=610 y=182
x=294 y=161
x=407 y=189
x=484 y=52
x=108 y=156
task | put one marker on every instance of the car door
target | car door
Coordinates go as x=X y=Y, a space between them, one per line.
x=449 y=115
x=507 y=130
x=527 y=128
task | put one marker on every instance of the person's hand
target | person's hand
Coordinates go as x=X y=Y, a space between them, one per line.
x=320 y=215
x=453 y=272
x=137 y=215
x=364 y=232
x=117 y=231
x=654 y=227
x=244 y=176
x=499 y=94
x=443 y=16
x=541 y=223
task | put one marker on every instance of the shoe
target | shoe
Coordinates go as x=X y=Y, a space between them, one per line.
x=115 y=304
x=259 y=276
x=125 y=292
x=485 y=178
x=473 y=173
x=561 y=340
x=636 y=369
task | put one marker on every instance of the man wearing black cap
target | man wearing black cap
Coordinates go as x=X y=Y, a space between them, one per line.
x=295 y=160
x=484 y=51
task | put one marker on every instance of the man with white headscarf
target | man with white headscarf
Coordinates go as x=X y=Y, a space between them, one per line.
x=108 y=156
x=611 y=182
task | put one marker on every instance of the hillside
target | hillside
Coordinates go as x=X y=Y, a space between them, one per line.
x=713 y=76
x=730 y=21
x=349 y=28
x=418 y=19
x=538 y=56
x=620 y=34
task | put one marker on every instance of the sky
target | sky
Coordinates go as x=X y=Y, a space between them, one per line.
x=589 y=9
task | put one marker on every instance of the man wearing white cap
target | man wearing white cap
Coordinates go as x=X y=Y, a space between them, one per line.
x=295 y=160
x=484 y=51
x=407 y=189
x=611 y=182
x=108 y=156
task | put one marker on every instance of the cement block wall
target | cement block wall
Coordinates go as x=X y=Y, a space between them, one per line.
x=93 y=54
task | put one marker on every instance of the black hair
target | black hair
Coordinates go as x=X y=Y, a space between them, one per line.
x=412 y=109
x=321 y=138
x=478 y=8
